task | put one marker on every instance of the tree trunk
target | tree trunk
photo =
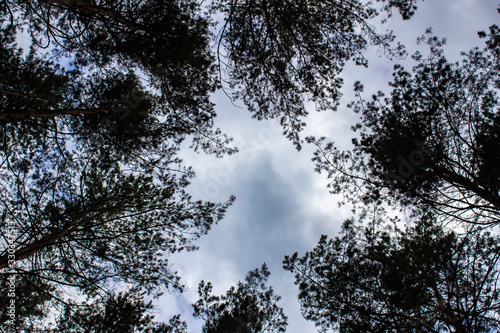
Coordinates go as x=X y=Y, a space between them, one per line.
x=447 y=313
x=42 y=243
x=28 y=114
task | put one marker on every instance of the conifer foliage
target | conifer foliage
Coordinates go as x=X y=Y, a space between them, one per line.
x=251 y=306
x=95 y=107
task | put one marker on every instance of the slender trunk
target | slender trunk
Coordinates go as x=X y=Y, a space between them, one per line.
x=14 y=93
x=40 y=244
x=447 y=313
x=28 y=114
x=456 y=179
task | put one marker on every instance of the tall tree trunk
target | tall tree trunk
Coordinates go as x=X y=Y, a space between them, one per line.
x=28 y=114
x=40 y=244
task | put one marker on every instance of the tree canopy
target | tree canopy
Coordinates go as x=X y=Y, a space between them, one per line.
x=251 y=306
x=430 y=147
x=433 y=141
x=278 y=55
x=91 y=185
x=94 y=112
x=381 y=277
x=168 y=41
x=124 y=312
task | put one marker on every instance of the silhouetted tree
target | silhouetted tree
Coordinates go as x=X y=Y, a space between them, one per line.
x=121 y=313
x=167 y=42
x=92 y=190
x=405 y=7
x=384 y=278
x=277 y=54
x=434 y=141
x=280 y=54
x=249 y=307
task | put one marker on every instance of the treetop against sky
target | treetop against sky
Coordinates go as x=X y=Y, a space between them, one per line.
x=104 y=114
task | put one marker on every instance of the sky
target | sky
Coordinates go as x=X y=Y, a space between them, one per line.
x=282 y=206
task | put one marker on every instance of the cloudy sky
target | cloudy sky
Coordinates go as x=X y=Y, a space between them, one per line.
x=282 y=205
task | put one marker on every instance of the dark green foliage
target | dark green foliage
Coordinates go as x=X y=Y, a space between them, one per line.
x=120 y=313
x=111 y=110
x=31 y=296
x=433 y=141
x=86 y=222
x=167 y=40
x=381 y=278
x=431 y=148
x=91 y=184
x=165 y=43
x=27 y=84
x=250 y=307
